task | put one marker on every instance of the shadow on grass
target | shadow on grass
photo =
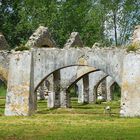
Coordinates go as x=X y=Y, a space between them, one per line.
x=82 y=107
x=2 y=106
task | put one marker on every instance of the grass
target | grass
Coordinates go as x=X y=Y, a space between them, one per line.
x=133 y=47
x=81 y=122
x=2 y=90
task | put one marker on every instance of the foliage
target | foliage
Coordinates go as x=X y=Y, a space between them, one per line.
x=95 y=20
x=21 y=48
x=73 y=91
x=132 y=47
x=120 y=19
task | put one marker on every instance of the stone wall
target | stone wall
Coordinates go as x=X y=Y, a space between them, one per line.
x=20 y=97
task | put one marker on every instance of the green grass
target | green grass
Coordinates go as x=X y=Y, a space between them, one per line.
x=81 y=122
x=2 y=91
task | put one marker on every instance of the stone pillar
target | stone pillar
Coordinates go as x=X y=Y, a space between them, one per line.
x=64 y=98
x=101 y=89
x=51 y=93
x=109 y=88
x=94 y=93
x=41 y=93
x=83 y=90
x=20 y=99
x=51 y=99
x=86 y=88
x=91 y=93
x=80 y=91
x=94 y=79
x=104 y=91
x=110 y=95
x=130 y=91
x=57 y=88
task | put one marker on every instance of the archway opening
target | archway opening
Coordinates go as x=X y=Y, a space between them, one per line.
x=73 y=92
x=116 y=91
x=56 y=87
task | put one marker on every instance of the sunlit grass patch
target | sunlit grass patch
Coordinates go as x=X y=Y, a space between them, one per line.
x=80 y=122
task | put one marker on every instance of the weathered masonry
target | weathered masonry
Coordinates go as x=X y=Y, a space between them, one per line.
x=28 y=68
x=64 y=67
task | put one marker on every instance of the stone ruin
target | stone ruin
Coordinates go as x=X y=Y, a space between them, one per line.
x=85 y=67
x=74 y=41
x=41 y=38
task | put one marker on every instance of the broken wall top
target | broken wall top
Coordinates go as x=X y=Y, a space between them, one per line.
x=74 y=41
x=41 y=38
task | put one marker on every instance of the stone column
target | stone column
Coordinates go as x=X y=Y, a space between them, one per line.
x=95 y=93
x=101 y=89
x=64 y=98
x=86 y=88
x=80 y=91
x=83 y=90
x=110 y=96
x=91 y=93
x=109 y=88
x=40 y=92
x=54 y=90
x=51 y=93
x=57 y=88
x=51 y=99
x=20 y=99
x=130 y=91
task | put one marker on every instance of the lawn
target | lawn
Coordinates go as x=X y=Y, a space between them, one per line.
x=81 y=122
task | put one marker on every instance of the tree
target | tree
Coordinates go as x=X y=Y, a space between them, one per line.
x=121 y=17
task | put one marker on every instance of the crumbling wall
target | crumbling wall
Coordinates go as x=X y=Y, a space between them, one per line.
x=41 y=38
x=74 y=41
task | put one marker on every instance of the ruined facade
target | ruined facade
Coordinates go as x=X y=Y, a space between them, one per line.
x=35 y=66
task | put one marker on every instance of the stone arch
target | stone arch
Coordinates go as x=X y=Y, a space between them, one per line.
x=64 y=94
x=63 y=86
x=74 y=56
x=42 y=80
x=95 y=87
x=121 y=66
x=68 y=75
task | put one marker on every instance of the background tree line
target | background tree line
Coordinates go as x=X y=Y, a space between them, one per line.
x=105 y=21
